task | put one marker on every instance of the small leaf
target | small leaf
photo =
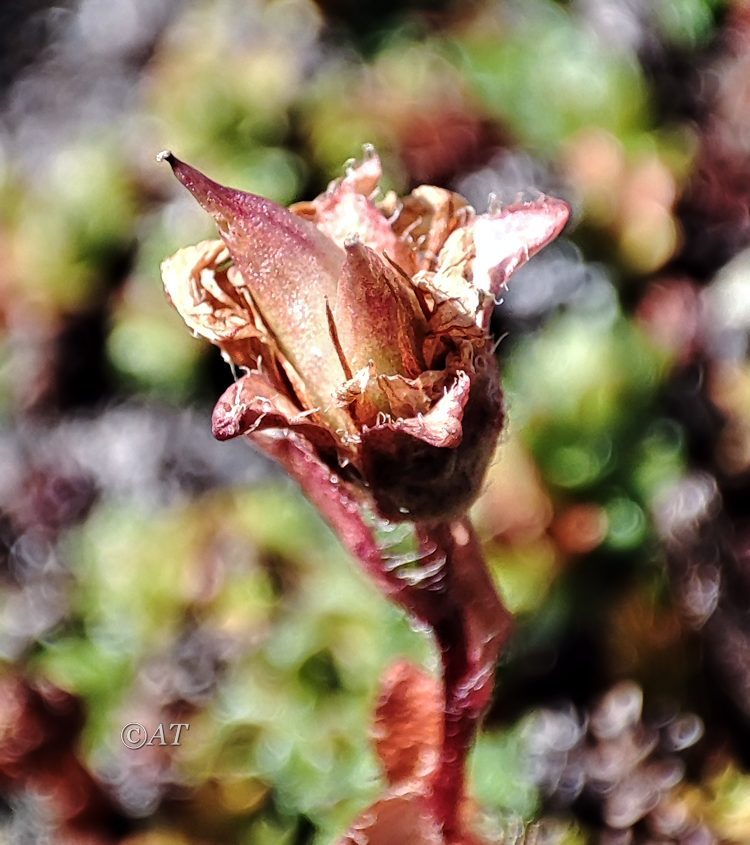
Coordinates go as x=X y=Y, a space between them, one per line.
x=408 y=723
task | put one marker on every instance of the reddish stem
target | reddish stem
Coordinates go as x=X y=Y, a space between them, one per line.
x=342 y=509
x=471 y=625
x=469 y=620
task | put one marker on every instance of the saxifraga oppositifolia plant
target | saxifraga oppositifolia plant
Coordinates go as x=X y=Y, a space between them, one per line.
x=361 y=326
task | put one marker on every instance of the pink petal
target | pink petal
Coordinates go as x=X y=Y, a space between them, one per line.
x=432 y=467
x=377 y=316
x=346 y=211
x=441 y=425
x=364 y=176
x=253 y=404
x=346 y=214
x=290 y=269
x=505 y=240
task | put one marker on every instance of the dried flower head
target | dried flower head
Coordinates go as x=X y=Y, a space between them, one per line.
x=362 y=326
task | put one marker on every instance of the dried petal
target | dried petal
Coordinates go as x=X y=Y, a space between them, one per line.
x=441 y=425
x=346 y=211
x=479 y=257
x=451 y=280
x=409 y=397
x=425 y=218
x=199 y=285
x=411 y=476
x=505 y=240
x=450 y=324
x=363 y=396
x=254 y=404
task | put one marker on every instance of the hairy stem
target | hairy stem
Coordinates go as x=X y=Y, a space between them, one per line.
x=471 y=626
x=342 y=510
x=462 y=607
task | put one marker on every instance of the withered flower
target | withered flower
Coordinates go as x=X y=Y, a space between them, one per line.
x=361 y=325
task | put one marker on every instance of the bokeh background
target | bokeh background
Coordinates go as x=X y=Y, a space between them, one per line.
x=148 y=574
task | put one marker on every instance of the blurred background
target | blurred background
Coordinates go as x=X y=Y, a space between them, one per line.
x=148 y=574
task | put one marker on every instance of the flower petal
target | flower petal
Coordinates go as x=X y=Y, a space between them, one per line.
x=363 y=176
x=412 y=465
x=377 y=316
x=425 y=218
x=432 y=467
x=441 y=425
x=202 y=286
x=253 y=404
x=449 y=285
x=478 y=259
x=346 y=211
x=410 y=397
x=290 y=270
x=504 y=240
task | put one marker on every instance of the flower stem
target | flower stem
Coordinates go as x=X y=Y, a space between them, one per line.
x=342 y=509
x=469 y=621
x=471 y=626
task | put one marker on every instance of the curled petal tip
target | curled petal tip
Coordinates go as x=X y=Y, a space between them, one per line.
x=225 y=422
x=507 y=237
x=223 y=427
